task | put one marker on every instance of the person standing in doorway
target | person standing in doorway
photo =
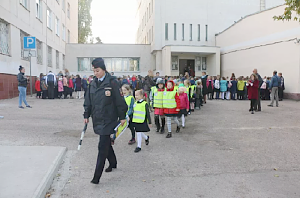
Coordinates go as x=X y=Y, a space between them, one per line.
x=274 y=84
x=281 y=87
x=257 y=106
x=22 y=87
x=107 y=107
x=50 y=81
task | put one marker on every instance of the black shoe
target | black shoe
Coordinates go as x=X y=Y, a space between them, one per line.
x=21 y=107
x=162 y=131
x=109 y=169
x=28 y=106
x=252 y=112
x=157 y=130
x=137 y=149
x=270 y=105
x=169 y=135
x=178 y=129
x=95 y=181
x=147 y=141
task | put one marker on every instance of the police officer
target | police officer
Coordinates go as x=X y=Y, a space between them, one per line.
x=104 y=103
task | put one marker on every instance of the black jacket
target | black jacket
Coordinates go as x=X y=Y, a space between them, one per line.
x=104 y=103
x=22 y=81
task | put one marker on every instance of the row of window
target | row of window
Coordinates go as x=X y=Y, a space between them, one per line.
x=183 y=32
x=148 y=37
x=112 y=64
x=57 y=26
x=50 y=58
x=146 y=16
x=200 y=63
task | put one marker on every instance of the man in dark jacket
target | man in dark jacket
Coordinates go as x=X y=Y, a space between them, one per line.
x=104 y=103
x=257 y=106
x=281 y=87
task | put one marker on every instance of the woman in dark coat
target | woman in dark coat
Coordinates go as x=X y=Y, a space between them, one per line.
x=252 y=86
x=204 y=89
x=78 y=86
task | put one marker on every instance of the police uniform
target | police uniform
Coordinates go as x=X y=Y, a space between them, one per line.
x=106 y=106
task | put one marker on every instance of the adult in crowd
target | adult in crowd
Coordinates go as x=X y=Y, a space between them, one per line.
x=257 y=106
x=274 y=84
x=204 y=89
x=50 y=81
x=253 y=85
x=187 y=69
x=107 y=107
x=22 y=87
x=281 y=87
x=148 y=84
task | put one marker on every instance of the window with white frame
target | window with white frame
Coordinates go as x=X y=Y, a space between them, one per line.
x=63 y=32
x=4 y=38
x=152 y=34
x=49 y=19
x=64 y=5
x=22 y=35
x=206 y=29
x=68 y=36
x=149 y=10
x=183 y=32
x=39 y=49
x=64 y=61
x=57 y=59
x=175 y=32
x=49 y=56
x=57 y=26
x=68 y=11
x=39 y=11
x=174 y=62
x=198 y=32
x=198 y=63
x=25 y=3
x=204 y=65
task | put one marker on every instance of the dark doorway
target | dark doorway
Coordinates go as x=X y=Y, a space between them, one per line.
x=185 y=64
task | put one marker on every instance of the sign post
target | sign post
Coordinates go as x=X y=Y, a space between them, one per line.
x=30 y=43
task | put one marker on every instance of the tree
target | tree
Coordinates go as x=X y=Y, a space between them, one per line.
x=84 y=20
x=292 y=7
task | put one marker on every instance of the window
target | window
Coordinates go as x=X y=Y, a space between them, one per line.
x=39 y=49
x=198 y=63
x=198 y=32
x=147 y=38
x=147 y=14
x=191 y=32
x=112 y=64
x=68 y=36
x=68 y=11
x=206 y=37
x=22 y=35
x=25 y=3
x=57 y=59
x=204 y=63
x=64 y=5
x=57 y=26
x=49 y=56
x=39 y=11
x=183 y=32
x=149 y=10
x=49 y=19
x=64 y=61
x=152 y=34
x=175 y=32
x=63 y=32
x=166 y=31
x=4 y=38
x=174 y=62
x=152 y=6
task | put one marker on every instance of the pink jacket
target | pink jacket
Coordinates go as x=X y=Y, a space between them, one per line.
x=184 y=101
x=60 y=86
x=212 y=83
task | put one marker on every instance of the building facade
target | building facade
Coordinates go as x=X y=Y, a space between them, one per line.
x=53 y=22
x=248 y=44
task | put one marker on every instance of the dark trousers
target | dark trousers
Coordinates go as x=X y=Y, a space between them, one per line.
x=60 y=94
x=257 y=106
x=233 y=95
x=85 y=89
x=240 y=95
x=50 y=90
x=280 y=93
x=44 y=94
x=132 y=129
x=217 y=93
x=105 y=151
x=252 y=104
x=38 y=94
x=66 y=91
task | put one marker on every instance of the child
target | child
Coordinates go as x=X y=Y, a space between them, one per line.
x=38 y=88
x=199 y=94
x=71 y=87
x=217 y=87
x=233 y=88
x=223 y=87
x=126 y=91
x=141 y=118
x=65 y=83
x=158 y=106
x=187 y=86
x=184 y=104
x=44 y=88
x=240 y=88
x=192 y=95
x=60 y=88
x=171 y=105
x=229 y=85
x=210 y=87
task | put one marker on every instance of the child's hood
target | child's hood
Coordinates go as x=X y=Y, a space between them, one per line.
x=173 y=85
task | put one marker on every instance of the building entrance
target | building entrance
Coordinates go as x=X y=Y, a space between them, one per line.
x=187 y=65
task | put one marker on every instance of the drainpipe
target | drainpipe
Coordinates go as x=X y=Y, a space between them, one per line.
x=262 y=5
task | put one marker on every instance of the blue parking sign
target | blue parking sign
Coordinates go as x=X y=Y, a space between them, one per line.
x=29 y=42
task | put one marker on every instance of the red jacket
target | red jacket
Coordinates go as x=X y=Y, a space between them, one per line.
x=173 y=111
x=38 y=85
x=211 y=82
x=184 y=101
x=253 y=90
x=71 y=84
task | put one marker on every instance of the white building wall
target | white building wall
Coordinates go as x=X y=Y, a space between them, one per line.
x=20 y=18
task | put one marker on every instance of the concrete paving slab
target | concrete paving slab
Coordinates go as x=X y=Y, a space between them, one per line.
x=28 y=171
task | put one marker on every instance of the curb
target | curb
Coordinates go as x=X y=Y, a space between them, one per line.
x=45 y=184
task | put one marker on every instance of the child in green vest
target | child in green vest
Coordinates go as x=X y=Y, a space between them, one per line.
x=141 y=119
x=129 y=99
x=158 y=106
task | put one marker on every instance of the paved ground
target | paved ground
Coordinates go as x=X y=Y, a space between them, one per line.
x=223 y=152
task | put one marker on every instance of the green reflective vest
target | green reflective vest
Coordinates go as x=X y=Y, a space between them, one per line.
x=169 y=101
x=128 y=101
x=158 y=99
x=139 y=112
x=176 y=88
x=193 y=90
